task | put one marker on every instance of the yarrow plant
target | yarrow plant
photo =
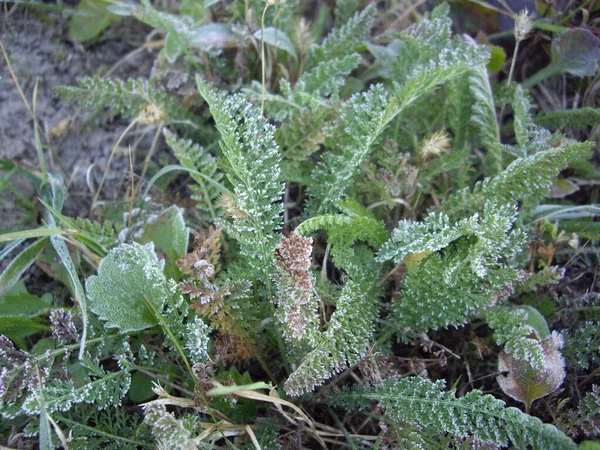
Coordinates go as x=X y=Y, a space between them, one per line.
x=346 y=221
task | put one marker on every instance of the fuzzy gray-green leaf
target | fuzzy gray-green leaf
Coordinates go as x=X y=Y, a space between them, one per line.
x=125 y=277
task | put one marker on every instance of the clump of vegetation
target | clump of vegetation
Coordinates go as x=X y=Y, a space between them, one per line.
x=360 y=219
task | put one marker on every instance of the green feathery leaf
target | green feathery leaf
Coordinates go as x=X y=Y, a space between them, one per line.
x=345 y=40
x=366 y=115
x=348 y=332
x=343 y=232
x=328 y=76
x=193 y=157
x=248 y=144
x=525 y=180
x=101 y=388
x=458 y=271
x=512 y=331
x=569 y=118
x=427 y=405
x=483 y=115
x=131 y=98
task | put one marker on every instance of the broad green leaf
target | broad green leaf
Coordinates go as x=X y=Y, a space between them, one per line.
x=562 y=212
x=20 y=264
x=43 y=345
x=195 y=9
x=497 y=59
x=22 y=305
x=169 y=235
x=562 y=188
x=15 y=327
x=576 y=51
x=125 y=277
x=6 y=164
x=279 y=39
x=173 y=48
x=584 y=229
x=141 y=388
x=91 y=18
x=212 y=35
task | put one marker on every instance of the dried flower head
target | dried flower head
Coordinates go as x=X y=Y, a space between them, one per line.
x=295 y=297
x=523 y=25
x=203 y=261
x=64 y=328
x=151 y=114
x=438 y=143
x=16 y=373
x=9 y=353
x=228 y=203
x=303 y=37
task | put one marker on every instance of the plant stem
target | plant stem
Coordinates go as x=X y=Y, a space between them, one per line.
x=110 y=157
x=262 y=57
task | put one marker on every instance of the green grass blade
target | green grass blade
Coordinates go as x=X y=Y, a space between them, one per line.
x=20 y=264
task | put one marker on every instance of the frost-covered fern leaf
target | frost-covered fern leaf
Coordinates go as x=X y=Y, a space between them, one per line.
x=362 y=119
x=101 y=388
x=328 y=76
x=460 y=103
x=513 y=333
x=345 y=40
x=126 y=97
x=430 y=301
x=308 y=110
x=130 y=98
x=433 y=32
x=248 y=144
x=529 y=136
x=344 y=9
x=525 y=180
x=422 y=42
x=343 y=232
x=109 y=429
x=345 y=341
x=194 y=157
x=433 y=234
x=489 y=237
x=182 y=324
x=449 y=63
x=582 y=344
x=484 y=115
x=302 y=135
x=569 y=118
x=365 y=116
x=104 y=233
x=454 y=271
x=427 y=405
